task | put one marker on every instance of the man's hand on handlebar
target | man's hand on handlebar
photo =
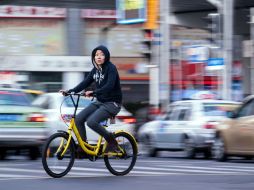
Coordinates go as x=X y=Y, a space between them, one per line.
x=89 y=93
x=64 y=92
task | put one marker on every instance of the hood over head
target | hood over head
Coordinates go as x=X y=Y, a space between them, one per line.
x=104 y=50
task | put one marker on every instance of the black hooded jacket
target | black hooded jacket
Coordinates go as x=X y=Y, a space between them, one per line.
x=108 y=88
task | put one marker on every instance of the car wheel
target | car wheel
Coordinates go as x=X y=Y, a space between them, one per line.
x=189 y=150
x=148 y=147
x=248 y=157
x=218 y=149
x=34 y=153
x=2 y=154
x=207 y=153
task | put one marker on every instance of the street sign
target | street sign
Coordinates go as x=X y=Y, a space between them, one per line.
x=196 y=54
x=215 y=64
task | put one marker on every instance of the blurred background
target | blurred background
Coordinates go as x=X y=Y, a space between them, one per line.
x=165 y=51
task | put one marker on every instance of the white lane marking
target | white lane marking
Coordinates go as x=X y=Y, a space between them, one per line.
x=179 y=170
x=101 y=161
x=22 y=170
x=135 y=172
x=157 y=161
x=238 y=167
x=85 y=174
x=84 y=169
x=211 y=168
x=29 y=176
x=43 y=172
x=152 y=173
x=185 y=162
x=14 y=175
x=131 y=174
x=13 y=164
x=105 y=170
x=157 y=169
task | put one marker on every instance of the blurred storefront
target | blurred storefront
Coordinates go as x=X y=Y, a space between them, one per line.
x=32 y=31
x=27 y=35
x=41 y=72
x=33 y=45
x=192 y=69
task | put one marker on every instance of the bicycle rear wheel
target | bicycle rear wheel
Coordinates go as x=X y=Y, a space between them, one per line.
x=122 y=165
x=54 y=163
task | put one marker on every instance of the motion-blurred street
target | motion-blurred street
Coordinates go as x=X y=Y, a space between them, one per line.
x=177 y=76
x=169 y=171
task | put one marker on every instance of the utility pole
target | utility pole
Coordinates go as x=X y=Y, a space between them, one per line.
x=252 y=56
x=228 y=7
x=74 y=31
x=164 y=63
x=151 y=51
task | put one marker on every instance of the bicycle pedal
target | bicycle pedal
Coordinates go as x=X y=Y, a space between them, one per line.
x=112 y=154
x=92 y=158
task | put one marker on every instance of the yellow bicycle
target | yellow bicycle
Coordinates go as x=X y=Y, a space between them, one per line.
x=59 y=151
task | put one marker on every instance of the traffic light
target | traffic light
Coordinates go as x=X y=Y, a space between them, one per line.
x=214 y=26
x=147 y=44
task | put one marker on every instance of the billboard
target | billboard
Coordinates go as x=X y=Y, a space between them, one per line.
x=131 y=11
x=32 y=37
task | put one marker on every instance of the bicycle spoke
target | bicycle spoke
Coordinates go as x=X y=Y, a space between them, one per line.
x=54 y=163
x=126 y=160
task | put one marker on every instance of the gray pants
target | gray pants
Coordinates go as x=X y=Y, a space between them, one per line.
x=95 y=113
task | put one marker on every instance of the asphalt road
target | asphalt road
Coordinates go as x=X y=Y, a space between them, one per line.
x=166 y=172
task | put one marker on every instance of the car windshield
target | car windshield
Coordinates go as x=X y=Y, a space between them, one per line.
x=82 y=102
x=13 y=98
x=218 y=109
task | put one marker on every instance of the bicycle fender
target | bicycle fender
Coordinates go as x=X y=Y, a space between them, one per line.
x=119 y=131
x=61 y=131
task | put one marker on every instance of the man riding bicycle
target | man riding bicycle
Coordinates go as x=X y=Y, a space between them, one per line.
x=108 y=93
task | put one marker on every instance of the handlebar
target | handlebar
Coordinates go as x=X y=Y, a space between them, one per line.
x=77 y=94
x=75 y=102
x=71 y=94
x=74 y=94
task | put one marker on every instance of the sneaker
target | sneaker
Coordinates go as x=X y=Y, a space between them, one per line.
x=80 y=153
x=112 y=145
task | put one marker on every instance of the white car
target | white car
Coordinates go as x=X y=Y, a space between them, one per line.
x=51 y=103
x=189 y=126
x=21 y=125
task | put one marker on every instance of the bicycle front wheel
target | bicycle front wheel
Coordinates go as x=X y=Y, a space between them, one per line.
x=122 y=165
x=54 y=162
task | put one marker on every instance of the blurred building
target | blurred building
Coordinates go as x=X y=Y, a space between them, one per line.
x=190 y=71
x=34 y=46
x=35 y=51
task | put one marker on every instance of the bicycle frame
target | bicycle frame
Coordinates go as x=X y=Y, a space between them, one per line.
x=84 y=145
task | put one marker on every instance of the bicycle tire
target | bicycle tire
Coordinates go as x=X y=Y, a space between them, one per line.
x=134 y=150
x=50 y=151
